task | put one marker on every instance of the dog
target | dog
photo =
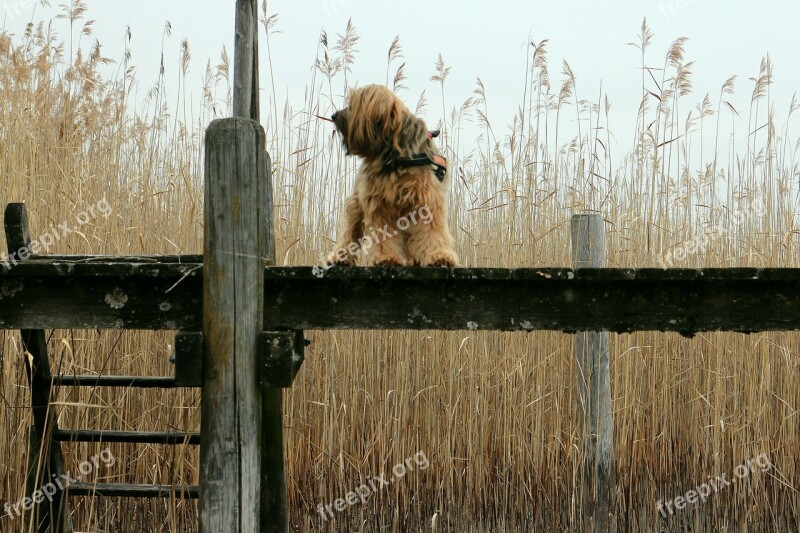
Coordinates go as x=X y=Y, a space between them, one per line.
x=402 y=175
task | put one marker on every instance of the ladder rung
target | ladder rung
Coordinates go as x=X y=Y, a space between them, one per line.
x=148 y=437
x=128 y=490
x=142 y=382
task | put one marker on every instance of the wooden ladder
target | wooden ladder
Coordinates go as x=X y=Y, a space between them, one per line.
x=45 y=459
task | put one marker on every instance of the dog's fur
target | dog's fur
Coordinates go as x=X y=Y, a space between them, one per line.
x=378 y=127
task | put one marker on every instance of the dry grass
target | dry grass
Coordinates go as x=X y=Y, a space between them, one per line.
x=494 y=413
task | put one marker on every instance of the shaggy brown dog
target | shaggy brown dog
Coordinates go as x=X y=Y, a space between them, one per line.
x=402 y=176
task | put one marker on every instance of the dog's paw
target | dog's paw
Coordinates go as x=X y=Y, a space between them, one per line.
x=388 y=260
x=341 y=257
x=440 y=259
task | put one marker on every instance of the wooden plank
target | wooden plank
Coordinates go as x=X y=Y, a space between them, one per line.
x=191 y=259
x=137 y=382
x=118 y=296
x=45 y=458
x=177 y=268
x=138 y=437
x=127 y=490
x=233 y=289
x=111 y=295
x=620 y=300
x=594 y=390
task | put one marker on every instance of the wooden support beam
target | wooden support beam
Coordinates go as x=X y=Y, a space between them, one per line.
x=281 y=354
x=594 y=391
x=149 y=294
x=46 y=461
x=189 y=359
x=44 y=454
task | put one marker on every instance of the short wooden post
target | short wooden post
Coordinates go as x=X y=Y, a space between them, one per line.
x=594 y=390
x=235 y=248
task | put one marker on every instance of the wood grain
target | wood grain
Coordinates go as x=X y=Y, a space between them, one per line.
x=152 y=295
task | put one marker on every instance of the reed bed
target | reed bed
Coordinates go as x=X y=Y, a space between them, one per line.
x=494 y=413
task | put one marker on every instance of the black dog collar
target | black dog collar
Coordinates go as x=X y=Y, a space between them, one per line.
x=420 y=160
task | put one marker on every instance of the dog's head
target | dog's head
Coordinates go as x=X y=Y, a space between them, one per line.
x=377 y=125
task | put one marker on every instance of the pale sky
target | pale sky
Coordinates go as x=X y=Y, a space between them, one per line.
x=485 y=39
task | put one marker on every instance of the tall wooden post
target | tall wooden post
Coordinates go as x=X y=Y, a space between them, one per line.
x=594 y=390
x=243 y=479
x=233 y=307
x=245 y=60
x=273 y=509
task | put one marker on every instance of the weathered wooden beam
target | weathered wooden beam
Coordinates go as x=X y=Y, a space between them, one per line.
x=141 y=294
x=155 y=295
x=233 y=288
x=620 y=300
